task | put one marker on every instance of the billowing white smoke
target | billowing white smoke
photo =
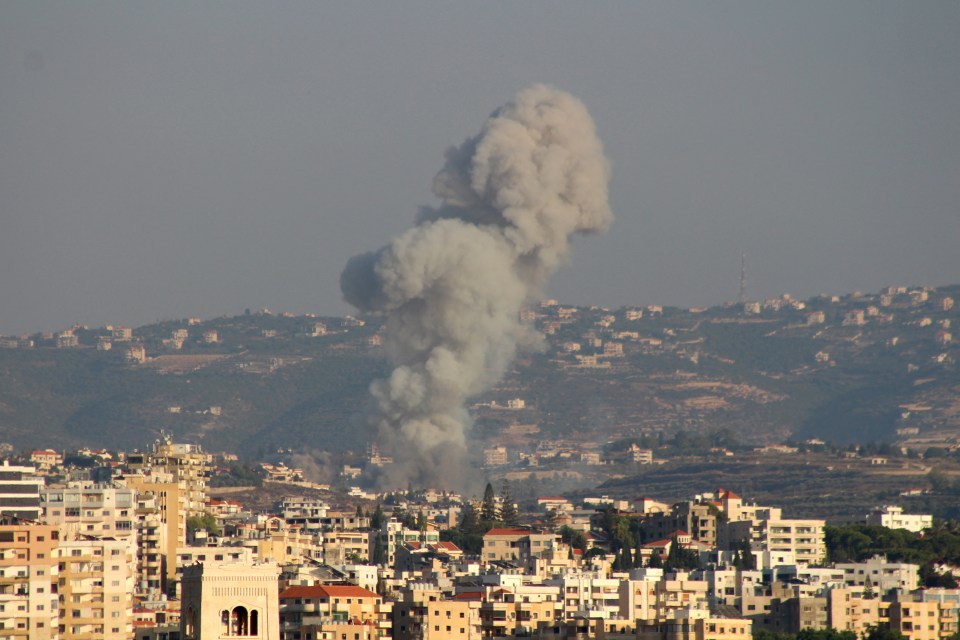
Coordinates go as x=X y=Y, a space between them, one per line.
x=452 y=287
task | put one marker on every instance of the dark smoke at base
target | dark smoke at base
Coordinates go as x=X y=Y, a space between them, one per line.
x=452 y=287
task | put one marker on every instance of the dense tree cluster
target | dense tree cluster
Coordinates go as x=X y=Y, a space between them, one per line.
x=857 y=542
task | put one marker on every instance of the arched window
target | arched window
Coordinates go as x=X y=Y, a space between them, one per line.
x=240 y=623
x=254 y=623
x=224 y=623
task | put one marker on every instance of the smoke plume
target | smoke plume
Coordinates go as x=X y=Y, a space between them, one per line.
x=452 y=287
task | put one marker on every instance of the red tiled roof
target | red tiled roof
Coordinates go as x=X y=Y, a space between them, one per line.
x=658 y=543
x=449 y=546
x=327 y=591
x=469 y=595
x=507 y=532
x=728 y=495
x=552 y=498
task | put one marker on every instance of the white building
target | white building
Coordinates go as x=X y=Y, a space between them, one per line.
x=893 y=517
x=880 y=575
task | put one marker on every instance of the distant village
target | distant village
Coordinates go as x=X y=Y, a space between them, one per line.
x=106 y=544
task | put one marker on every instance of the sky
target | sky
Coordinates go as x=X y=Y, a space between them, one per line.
x=175 y=159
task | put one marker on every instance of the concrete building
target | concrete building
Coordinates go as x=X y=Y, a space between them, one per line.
x=230 y=600
x=517 y=545
x=880 y=575
x=893 y=517
x=28 y=580
x=768 y=533
x=20 y=491
x=96 y=585
x=323 y=605
x=695 y=625
x=423 y=613
x=164 y=516
x=91 y=509
x=187 y=463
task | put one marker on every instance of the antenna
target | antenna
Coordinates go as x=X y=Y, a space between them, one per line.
x=743 y=278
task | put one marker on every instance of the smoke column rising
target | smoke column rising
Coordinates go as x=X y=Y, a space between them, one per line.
x=452 y=287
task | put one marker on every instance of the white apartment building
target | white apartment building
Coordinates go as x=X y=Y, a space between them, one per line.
x=880 y=575
x=893 y=517
x=90 y=509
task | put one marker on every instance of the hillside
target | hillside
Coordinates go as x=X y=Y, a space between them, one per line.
x=856 y=368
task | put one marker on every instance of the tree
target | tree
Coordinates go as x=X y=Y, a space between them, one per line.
x=468 y=520
x=360 y=512
x=205 y=521
x=883 y=633
x=379 y=552
x=376 y=520
x=488 y=508
x=680 y=558
x=508 y=511
x=656 y=562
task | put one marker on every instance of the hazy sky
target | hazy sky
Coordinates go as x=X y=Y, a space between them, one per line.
x=160 y=160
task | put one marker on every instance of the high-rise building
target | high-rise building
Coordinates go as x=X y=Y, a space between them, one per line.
x=187 y=463
x=96 y=584
x=162 y=505
x=90 y=509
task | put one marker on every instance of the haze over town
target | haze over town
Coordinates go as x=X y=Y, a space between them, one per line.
x=177 y=159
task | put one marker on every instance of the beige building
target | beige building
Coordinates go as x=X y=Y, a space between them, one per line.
x=423 y=613
x=696 y=625
x=187 y=463
x=323 y=605
x=28 y=580
x=90 y=509
x=96 y=585
x=227 y=600
x=164 y=507
x=922 y=620
x=849 y=610
x=517 y=545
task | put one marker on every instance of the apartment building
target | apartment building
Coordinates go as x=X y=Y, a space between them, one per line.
x=422 y=612
x=20 y=491
x=28 y=580
x=880 y=575
x=187 y=463
x=849 y=610
x=319 y=605
x=164 y=516
x=771 y=535
x=96 y=585
x=339 y=546
x=90 y=509
x=893 y=517
x=517 y=545
x=695 y=625
x=519 y=610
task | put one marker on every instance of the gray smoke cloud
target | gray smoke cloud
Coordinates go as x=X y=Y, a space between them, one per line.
x=452 y=287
